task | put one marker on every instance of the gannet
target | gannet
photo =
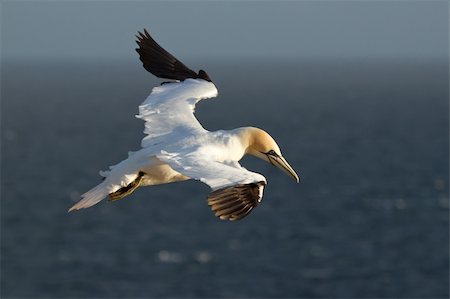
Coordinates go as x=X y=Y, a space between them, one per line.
x=177 y=147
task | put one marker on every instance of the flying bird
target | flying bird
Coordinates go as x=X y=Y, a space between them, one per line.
x=177 y=147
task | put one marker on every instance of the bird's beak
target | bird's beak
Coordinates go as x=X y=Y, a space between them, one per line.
x=282 y=164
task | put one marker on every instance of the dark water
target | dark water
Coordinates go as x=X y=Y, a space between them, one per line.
x=370 y=218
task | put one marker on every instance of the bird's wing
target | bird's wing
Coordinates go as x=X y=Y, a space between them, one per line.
x=235 y=202
x=169 y=110
x=235 y=190
x=161 y=63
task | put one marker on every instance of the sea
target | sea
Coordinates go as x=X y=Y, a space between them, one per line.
x=369 y=219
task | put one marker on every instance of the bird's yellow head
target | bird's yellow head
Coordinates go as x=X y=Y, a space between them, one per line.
x=260 y=144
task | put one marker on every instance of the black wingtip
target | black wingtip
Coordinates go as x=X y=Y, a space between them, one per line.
x=203 y=75
x=235 y=202
x=161 y=63
x=146 y=33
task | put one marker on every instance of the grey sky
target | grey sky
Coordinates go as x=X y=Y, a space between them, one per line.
x=291 y=29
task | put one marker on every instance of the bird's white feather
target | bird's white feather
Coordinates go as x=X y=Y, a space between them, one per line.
x=169 y=109
x=119 y=175
x=91 y=197
x=215 y=174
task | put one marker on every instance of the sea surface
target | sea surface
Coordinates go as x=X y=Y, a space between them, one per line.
x=370 y=140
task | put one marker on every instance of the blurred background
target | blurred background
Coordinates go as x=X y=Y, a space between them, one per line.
x=356 y=94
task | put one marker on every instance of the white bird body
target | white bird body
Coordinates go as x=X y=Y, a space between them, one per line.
x=177 y=148
x=157 y=161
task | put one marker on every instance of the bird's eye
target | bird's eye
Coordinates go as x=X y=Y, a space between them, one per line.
x=272 y=152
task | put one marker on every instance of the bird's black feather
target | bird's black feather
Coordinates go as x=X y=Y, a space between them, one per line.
x=161 y=63
x=235 y=202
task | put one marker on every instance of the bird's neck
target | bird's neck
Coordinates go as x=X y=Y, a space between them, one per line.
x=248 y=137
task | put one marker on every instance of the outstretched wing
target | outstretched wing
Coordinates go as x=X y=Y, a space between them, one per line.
x=236 y=191
x=169 y=110
x=161 y=63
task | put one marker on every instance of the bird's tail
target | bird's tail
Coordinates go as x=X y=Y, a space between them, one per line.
x=91 y=197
